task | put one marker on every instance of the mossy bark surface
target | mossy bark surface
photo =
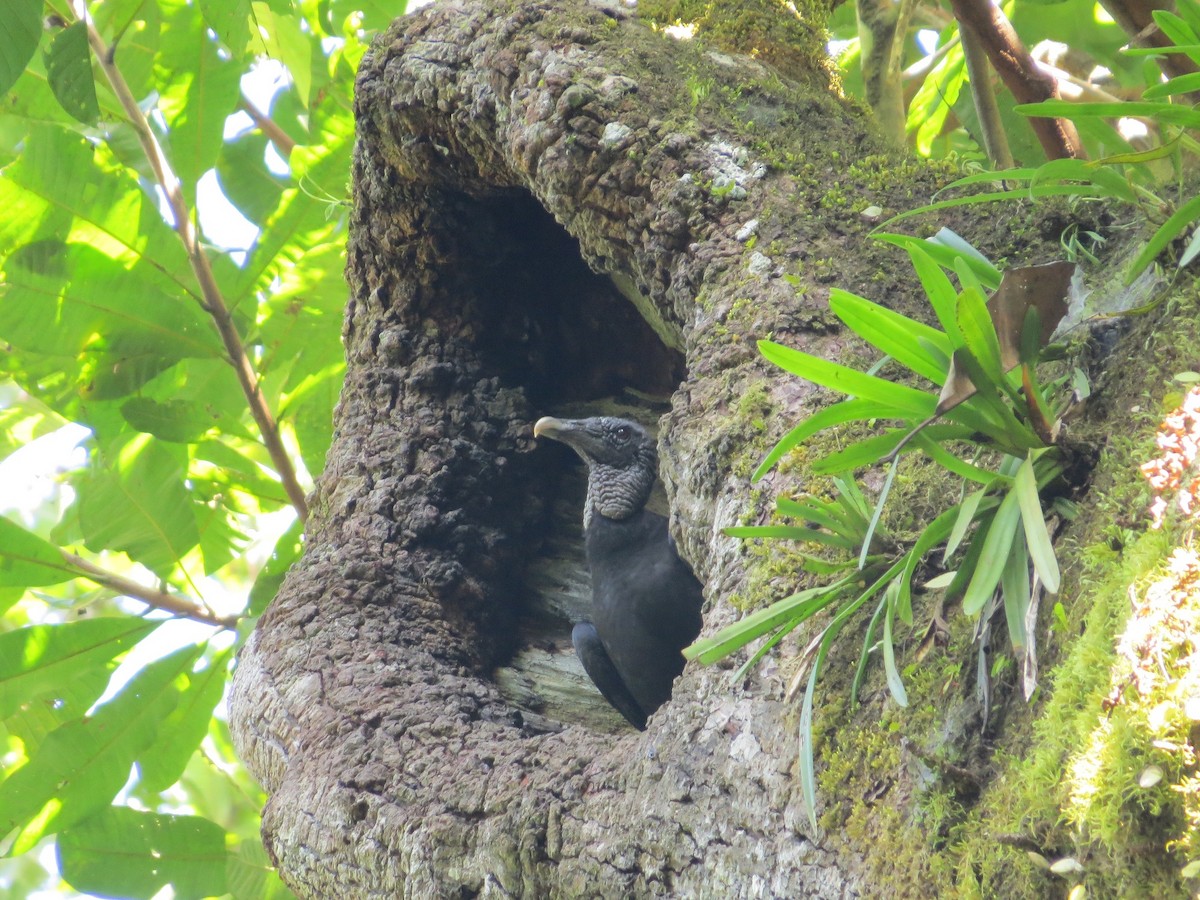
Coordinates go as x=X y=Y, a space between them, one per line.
x=553 y=203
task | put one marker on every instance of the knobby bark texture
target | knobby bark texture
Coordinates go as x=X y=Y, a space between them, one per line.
x=552 y=203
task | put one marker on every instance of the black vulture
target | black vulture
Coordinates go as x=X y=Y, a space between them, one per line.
x=645 y=600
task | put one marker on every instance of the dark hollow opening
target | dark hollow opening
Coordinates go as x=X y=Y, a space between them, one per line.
x=576 y=347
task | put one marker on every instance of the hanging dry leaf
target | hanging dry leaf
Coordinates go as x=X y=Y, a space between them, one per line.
x=1043 y=288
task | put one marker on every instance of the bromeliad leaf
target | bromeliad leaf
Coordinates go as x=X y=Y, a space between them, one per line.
x=906 y=401
x=839 y=413
x=894 y=682
x=1037 y=537
x=896 y=335
x=798 y=606
x=993 y=555
x=791 y=533
x=1014 y=587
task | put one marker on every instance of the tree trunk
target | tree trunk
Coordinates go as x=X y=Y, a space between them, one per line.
x=554 y=205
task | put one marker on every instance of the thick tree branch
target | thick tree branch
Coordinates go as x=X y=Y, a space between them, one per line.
x=211 y=299
x=1019 y=72
x=172 y=603
x=365 y=701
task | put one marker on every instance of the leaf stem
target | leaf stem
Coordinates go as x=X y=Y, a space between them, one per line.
x=280 y=138
x=211 y=299
x=172 y=603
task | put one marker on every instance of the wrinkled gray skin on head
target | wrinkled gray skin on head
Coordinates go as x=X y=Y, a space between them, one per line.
x=621 y=457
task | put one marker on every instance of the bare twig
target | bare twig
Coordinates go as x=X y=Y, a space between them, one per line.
x=212 y=301
x=995 y=140
x=1020 y=74
x=172 y=603
x=280 y=138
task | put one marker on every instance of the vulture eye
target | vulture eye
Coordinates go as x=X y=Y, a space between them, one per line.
x=623 y=433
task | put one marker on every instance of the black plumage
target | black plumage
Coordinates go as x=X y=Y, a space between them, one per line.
x=645 y=600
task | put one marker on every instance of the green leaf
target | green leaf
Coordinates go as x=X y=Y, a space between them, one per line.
x=797 y=607
x=1167 y=232
x=952 y=463
x=180 y=421
x=197 y=94
x=142 y=508
x=966 y=515
x=780 y=633
x=20 y=31
x=896 y=335
x=993 y=556
x=808 y=772
x=1046 y=190
x=837 y=414
x=1191 y=251
x=871 y=450
x=245 y=179
x=929 y=107
x=979 y=333
x=243 y=472
x=1181 y=84
x=1014 y=588
x=26 y=560
x=251 y=875
x=905 y=401
x=1163 y=113
x=123 y=852
x=864 y=657
x=230 y=21
x=163 y=762
x=42 y=661
x=1001 y=423
x=944 y=248
x=788 y=532
x=827 y=515
x=82 y=764
x=866 y=452
x=894 y=682
x=286 y=43
x=932 y=535
x=942 y=296
x=808 y=784
x=1037 y=537
x=884 y=493
x=69 y=70
x=1105 y=176
x=1173 y=27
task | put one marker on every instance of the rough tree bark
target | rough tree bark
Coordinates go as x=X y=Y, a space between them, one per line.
x=501 y=143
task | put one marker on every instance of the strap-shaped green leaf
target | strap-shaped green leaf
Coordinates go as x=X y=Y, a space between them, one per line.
x=894 y=682
x=839 y=413
x=905 y=401
x=798 y=606
x=993 y=555
x=896 y=335
x=1037 y=537
x=1014 y=588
